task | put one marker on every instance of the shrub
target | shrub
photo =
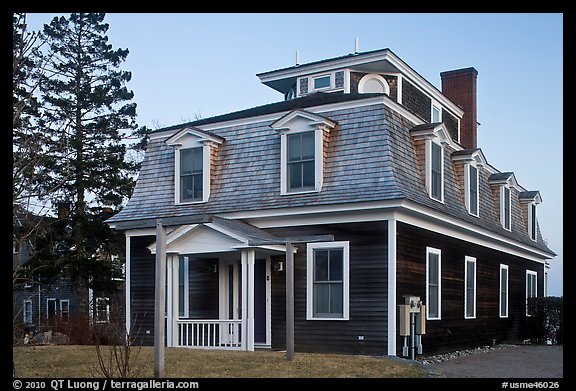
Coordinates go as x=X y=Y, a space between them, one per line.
x=546 y=320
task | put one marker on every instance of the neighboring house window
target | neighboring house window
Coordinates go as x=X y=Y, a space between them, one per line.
x=435 y=114
x=51 y=308
x=191 y=174
x=301 y=163
x=436 y=172
x=531 y=277
x=532 y=220
x=102 y=309
x=470 y=288
x=505 y=209
x=183 y=286
x=15 y=247
x=65 y=310
x=433 y=283
x=471 y=186
x=503 y=291
x=327 y=281
x=27 y=311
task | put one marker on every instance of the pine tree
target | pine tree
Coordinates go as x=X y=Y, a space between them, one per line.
x=89 y=113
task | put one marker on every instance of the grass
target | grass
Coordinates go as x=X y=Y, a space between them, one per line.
x=69 y=361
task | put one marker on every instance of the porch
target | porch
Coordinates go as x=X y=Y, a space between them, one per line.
x=218 y=286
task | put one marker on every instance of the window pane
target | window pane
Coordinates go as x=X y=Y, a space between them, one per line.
x=433 y=301
x=198 y=186
x=321 y=265
x=197 y=160
x=186 y=161
x=336 y=299
x=506 y=208
x=533 y=226
x=436 y=171
x=336 y=265
x=295 y=175
x=308 y=145
x=322 y=82
x=308 y=174
x=470 y=303
x=433 y=269
x=435 y=114
x=322 y=298
x=473 y=190
x=470 y=275
x=294 y=147
x=504 y=293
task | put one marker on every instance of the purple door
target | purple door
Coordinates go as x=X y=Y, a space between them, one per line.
x=260 y=301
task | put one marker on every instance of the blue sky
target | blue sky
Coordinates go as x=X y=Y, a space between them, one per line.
x=187 y=65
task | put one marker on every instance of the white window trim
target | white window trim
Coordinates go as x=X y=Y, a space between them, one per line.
x=428 y=146
x=531 y=273
x=374 y=76
x=431 y=250
x=318 y=161
x=503 y=207
x=330 y=75
x=467 y=193
x=504 y=267
x=468 y=259
x=62 y=311
x=56 y=312
x=205 y=173
x=532 y=220
x=345 y=246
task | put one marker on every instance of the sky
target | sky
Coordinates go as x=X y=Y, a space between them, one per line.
x=187 y=65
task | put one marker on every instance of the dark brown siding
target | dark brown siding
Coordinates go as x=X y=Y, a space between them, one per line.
x=453 y=331
x=416 y=101
x=368 y=294
x=142 y=288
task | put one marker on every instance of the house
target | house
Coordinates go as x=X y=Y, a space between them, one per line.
x=363 y=151
x=43 y=298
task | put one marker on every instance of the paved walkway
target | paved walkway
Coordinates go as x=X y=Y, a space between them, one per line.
x=515 y=361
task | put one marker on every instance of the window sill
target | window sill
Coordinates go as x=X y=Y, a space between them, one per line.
x=191 y=202
x=338 y=319
x=300 y=192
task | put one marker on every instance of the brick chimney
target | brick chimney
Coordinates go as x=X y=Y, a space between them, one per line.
x=460 y=87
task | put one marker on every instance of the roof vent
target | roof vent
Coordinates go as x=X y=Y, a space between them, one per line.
x=356 y=46
x=297 y=58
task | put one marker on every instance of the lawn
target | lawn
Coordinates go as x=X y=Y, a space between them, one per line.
x=66 y=361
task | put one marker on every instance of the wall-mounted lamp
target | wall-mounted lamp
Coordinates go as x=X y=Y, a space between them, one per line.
x=279 y=266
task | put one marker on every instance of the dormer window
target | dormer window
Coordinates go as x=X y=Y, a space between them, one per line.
x=301 y=161
x=505 y=207
x=436 y=171
x=191 y=174
x=529 y=201
x=471 y=186
x=302 y=140
x=193 y=155
x=429 y=142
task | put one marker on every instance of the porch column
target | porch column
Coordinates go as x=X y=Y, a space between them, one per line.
x=247 y=258
x=172 y=310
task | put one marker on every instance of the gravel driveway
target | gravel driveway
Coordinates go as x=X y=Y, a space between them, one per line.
x=511 y=361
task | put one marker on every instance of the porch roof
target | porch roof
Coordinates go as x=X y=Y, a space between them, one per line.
x=218 y=235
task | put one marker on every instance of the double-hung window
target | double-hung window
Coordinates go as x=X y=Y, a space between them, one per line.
x=433 y=283
x=505 y=208
x=436 y=168
x=503 y=291
x=531 y=291
x=191 y=174
x=27 y=311
x=301 y=161
x=470 y=288
x=327 y=286
x=532 y=220
x=472 y=189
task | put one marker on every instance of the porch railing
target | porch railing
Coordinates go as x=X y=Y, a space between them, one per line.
x=209 y=334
